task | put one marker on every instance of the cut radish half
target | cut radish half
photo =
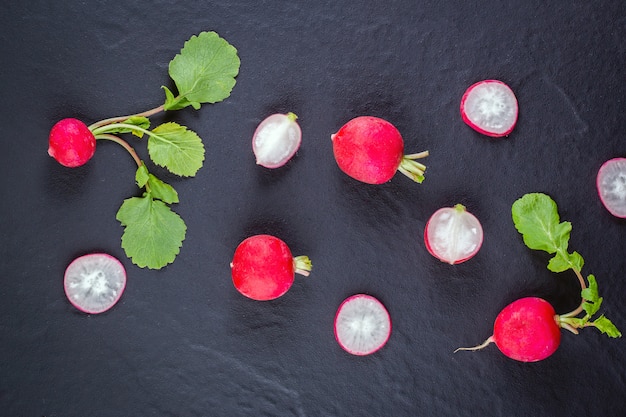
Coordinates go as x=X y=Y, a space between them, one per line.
x=362 y=325
x=611 y=184
x=490 y=107
x=94 y=283
x=276 y=140
x=453 y=234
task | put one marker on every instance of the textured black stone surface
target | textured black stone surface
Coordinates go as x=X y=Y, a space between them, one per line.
x=182 y=341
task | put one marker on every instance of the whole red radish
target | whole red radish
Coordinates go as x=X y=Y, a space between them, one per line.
x=263 y=267
x=453 y=234
x=371 y=150
x=94 y=283
x=71 y=143
x=490 y=107
x=526 y=330
x=611 y=185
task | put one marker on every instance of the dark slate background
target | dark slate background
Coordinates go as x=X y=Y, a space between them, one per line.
x=182 y=341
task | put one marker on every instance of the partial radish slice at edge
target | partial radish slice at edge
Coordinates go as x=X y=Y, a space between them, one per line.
x=453 y=234
x=362 y=325
x=94 y=283
x=276 y=140
x=490 y=107
x=611 y=185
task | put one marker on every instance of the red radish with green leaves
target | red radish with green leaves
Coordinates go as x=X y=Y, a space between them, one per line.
x=362 y=325
x=276 y=140
x=94 y=283
x=528 y=329
x=371 y=150
x=453 y=234
x=490 y=107
x=71 y=143
x=263 y=267
x=611 y=185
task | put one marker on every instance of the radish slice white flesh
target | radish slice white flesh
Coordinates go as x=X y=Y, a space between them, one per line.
x=362 y=325
x=453 y=235
x=276 y=140
x=94 y=283
x=611 y=184
x=490 y=108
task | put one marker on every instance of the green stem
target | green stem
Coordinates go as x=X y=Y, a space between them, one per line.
x=302 y=265
x=411 y=168
x=583 y=285
x=114 y=126
x=121 y=142
x=111 y=120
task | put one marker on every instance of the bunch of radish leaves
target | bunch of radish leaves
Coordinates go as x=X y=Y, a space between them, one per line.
x=204 y=72
x=537 y=219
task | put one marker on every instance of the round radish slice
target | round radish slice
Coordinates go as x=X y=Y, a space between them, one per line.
x=490 y=108
x=453 y=235
x=611 y=184
x=95 y=282
x=362 y=325
x=276 y=140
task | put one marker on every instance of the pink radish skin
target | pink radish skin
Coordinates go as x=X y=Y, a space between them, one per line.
x=371 y=150
x=94 y=283
x=276 y=140
x=611 y=186
x=490 y=107
x=526 y=330
x=71 y=143
x=362 y=325
x=453 y=234
x=263 y=267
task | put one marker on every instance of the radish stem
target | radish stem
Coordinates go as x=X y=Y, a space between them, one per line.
x=121 y=142
x=411 y=168
x=111 y=120
x=302 y=265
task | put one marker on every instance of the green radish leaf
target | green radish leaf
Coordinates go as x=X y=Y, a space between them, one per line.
x=591 y=292
x=536 y=217
x=204 y=72
x=176 y=148
x=607 y=327
x=142 y=176
x=153 y=233
x=161 y=190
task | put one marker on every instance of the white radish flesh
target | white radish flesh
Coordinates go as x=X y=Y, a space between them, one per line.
x=94 y=283
x=276 y=140
x=490 y=107
x=362 y=325
x=453 y=235
x=611 y=184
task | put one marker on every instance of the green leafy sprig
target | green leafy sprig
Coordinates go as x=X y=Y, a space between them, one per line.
x=536 y=217
x=204 y=72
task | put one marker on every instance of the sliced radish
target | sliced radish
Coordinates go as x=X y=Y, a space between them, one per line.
x=490 y=108
x=276 y=140
x=453 y=234
x=94 y=283
x=362 y=325
x=611 y=184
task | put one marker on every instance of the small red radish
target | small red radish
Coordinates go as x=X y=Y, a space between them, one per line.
x=362 y=325
x=453 y=234
x=71 y=143
x=94 y=283
x=264 y=269
x=371 y=150
x=526 y=330
x=611 y=185
x=276 y=140
x=490 y=107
